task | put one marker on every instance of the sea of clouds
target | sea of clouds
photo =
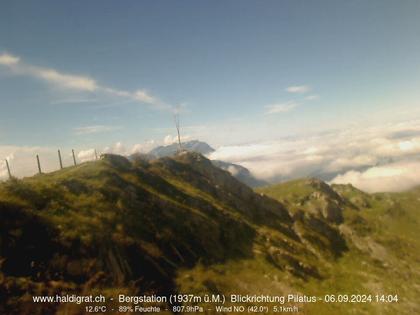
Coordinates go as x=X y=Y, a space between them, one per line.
x=380 y=158
x=374 y=158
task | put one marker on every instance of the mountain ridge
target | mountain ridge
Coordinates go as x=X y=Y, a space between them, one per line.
x=238 y=171
x=181 y=225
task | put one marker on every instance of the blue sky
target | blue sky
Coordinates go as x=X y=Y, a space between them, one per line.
x=90 y=74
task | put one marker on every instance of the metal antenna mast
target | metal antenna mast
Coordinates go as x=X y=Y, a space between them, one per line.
x=176 y=119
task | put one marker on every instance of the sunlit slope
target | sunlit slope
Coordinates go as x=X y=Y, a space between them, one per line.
x=383 y=239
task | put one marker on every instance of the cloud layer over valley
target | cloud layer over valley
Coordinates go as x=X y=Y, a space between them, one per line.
x=381 y=158
x=375 y=158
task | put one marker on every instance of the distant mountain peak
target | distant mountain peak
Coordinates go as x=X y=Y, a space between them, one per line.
x=239 y=172
x=172 y=149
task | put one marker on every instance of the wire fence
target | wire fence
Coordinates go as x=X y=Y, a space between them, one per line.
x=31 y=163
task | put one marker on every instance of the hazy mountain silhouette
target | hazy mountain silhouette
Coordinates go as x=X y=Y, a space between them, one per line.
x=238 y=171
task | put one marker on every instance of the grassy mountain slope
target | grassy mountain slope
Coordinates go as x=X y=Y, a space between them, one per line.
x=182 y=225
x=382 y=234
x=120 y=226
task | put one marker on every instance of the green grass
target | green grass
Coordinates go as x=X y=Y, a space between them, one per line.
x=183 y=226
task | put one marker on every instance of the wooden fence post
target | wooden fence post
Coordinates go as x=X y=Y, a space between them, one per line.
x=74 y=157
x=96 y=155
x=39 y=164
x=8 y=169
x=59 y=159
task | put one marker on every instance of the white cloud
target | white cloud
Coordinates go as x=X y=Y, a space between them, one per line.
x=145 y=97
x=300 y=89
x=117 y=148
x=233 y=170
x=8 y=60
x=3 y=166
x=121 y=149
x=86 y=155
x=73 y=101
x=119 y=93
x=3 y=170
x=290 y=105
x=341 y=163
x=327 y=155
x=281 y=107
x=170 y=139
x=143 y=147
x=94 y=129
x=412 y=145
x=64 y=80
x=392 y=177
x=77 y=82
x=313 y=97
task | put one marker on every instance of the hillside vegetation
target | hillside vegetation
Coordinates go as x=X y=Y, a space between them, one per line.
x=182 y=225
